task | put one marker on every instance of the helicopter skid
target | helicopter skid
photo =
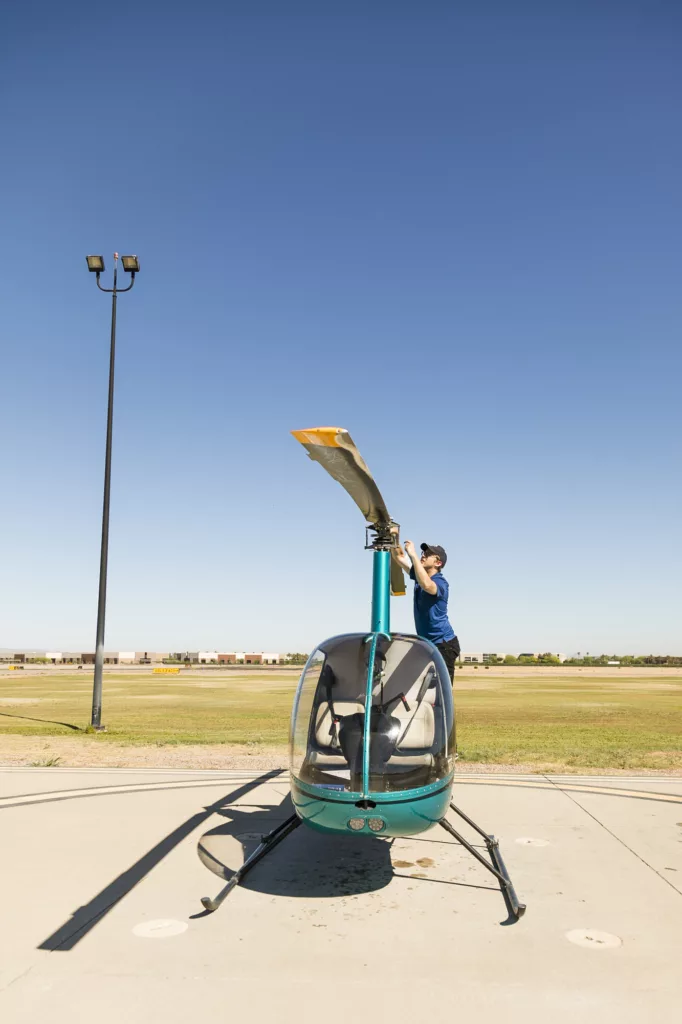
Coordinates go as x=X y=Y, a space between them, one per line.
x=495 y=866
x=267 y=843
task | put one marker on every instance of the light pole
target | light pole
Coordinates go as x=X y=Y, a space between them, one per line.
x=131 y=265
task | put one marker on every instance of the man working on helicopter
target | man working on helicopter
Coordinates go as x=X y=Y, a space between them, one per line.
x=431 y=592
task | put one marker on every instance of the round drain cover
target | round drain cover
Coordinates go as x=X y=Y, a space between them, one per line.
x=161 y=929
x=528 y=841
x=592 y=939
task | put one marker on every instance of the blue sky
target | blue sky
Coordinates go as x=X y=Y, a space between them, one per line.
x=453 y=229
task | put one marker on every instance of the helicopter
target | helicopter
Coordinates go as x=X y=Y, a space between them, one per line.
x=372 y=738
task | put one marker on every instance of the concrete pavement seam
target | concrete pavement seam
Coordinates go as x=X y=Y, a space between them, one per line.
x=622 y=842
x=18 y=978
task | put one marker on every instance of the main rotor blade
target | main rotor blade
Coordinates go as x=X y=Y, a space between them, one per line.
x=397 y=580
x=334 y=449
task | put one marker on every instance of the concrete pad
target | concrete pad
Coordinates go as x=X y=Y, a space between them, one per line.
x=108 y=883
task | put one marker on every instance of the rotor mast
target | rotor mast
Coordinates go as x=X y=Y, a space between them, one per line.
x=381 y=543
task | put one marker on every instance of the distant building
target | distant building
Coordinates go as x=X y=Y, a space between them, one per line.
x=241 y=658
x=479 y=658
x=71 y=658
x=150 y=657
x=207 y=657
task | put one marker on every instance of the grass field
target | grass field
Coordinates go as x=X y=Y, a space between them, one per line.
x=554 y=720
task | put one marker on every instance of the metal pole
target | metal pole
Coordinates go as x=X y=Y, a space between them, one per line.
x=96 y=720
x=381 y=592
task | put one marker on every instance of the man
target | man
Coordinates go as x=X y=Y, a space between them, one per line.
x=431 y=592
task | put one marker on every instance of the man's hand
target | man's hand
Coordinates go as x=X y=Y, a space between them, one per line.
x=421 y=575
x=398 y=553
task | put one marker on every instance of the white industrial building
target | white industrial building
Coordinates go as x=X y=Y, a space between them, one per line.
x=478 y=658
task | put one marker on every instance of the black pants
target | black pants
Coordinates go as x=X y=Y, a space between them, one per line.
x=450 y=650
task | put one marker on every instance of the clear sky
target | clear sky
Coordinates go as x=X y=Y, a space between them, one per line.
x=452 y=228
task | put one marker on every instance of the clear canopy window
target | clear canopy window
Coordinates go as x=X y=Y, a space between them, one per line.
x=411 y=721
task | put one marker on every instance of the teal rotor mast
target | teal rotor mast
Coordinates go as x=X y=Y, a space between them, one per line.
x=381 y=543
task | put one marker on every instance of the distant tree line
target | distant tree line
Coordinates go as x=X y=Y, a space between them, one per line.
x=671 y=660
x=295 y=659
x=587 y=660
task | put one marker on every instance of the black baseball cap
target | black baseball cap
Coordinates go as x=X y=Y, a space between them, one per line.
x=435 y=549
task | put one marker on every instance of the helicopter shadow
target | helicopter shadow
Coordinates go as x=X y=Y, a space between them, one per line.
x=307 y=864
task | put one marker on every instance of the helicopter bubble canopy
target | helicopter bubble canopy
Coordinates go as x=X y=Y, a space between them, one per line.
x=373 y=715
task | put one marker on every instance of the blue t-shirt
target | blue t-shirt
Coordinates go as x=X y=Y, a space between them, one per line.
x=431 y=610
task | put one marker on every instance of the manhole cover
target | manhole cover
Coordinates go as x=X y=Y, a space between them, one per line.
x=592 y=939
x=161 y=929
x=528 y=841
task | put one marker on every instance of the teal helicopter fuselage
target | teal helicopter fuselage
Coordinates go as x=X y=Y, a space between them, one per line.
x=388 y=772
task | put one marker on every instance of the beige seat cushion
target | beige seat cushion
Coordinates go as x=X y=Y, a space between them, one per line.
x=410 y=761
x=327 y=760
x=417 y=726
x=323 y=730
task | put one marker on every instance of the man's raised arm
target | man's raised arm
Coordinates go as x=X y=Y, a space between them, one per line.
x=421 y=575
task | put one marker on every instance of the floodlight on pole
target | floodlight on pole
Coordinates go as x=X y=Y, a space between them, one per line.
x=96 y=265
x=131 y=264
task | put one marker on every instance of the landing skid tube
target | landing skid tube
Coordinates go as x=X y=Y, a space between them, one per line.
x=267 y=843
x=496 y=866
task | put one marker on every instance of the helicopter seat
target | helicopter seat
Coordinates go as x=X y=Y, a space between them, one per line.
x=417 y=737
x=326 y=736
x=406 y=672
x=346 y=668
x=418 y=729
